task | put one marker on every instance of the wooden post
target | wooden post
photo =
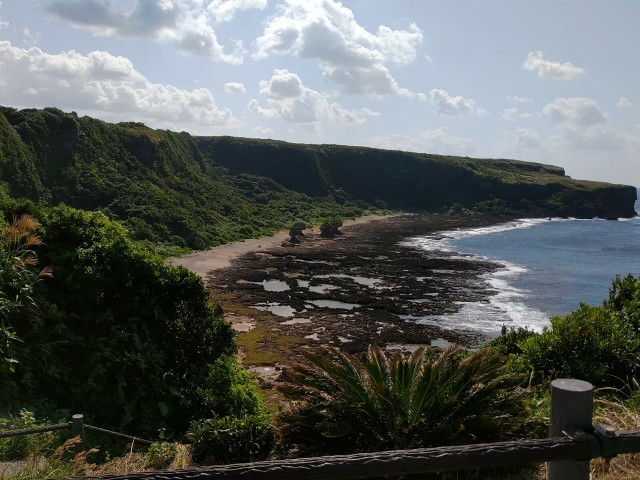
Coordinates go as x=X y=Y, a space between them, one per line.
x=77 y=425
x=571 y=413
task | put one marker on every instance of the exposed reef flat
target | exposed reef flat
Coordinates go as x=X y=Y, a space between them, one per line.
x=352 y=290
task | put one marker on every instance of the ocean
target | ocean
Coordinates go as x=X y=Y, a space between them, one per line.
x=548 y=267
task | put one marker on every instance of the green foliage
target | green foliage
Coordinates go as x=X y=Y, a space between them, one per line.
x=231 y=440
x=132 y=338
x=343 y=404
x=510 y=339
x=592 y=344
x=624 y=300
x=23 y=446
x=296 y=230
x=330 y=227
x=161 y=454
x=173 y=189
x=158 y=183
x=227 y=390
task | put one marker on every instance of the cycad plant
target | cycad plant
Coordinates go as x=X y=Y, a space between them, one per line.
x=344 y=404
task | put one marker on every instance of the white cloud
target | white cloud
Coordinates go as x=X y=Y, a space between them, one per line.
x=103 y=83
x=440 y=141
x=575 y=111
x=3 y=24
x=225 y=10
x=349 y=55
x=623 y=102
x=512 y=114
x=263 y=132
x=547 y=69
x=286 y=97
x=189 y=24
x=234 y=87
x=517 y=99
x=448 y=105
x=524 y=138
x=581 y=125
x=593 y=137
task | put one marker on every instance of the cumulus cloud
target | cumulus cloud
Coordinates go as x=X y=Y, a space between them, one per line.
x=440 y=141
x=103 y=83
x=512 y=114
x=582 y=125
x=286 y=97
x=524 y=138
x=445 y=104
x=593 y=137
x=575 y=111
x=189 y=24
x=234 y=87
x=623 y=102
x=517 y=99
x=225 y=10
x=547 y=69
x=349 y=55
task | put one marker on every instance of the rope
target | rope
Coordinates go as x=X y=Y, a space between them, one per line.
x=116 y=434
x=28 y=431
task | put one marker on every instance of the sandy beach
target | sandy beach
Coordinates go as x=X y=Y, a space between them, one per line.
x=217 y=258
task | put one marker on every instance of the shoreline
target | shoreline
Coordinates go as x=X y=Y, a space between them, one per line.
x=204 y=263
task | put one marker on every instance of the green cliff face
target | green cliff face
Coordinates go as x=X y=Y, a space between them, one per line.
x=421 y=181
x=198 y=191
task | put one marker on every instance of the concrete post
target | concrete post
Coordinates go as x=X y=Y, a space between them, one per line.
x=77 y=425
x=571 y=411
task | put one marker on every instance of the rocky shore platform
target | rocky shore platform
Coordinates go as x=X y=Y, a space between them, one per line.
x=365 y=286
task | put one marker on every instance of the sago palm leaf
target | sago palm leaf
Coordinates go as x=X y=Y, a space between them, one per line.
x=342 y=403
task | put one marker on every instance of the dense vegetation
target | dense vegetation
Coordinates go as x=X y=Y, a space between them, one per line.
x=345 y=404
x=179 y=190
x=413 y=181
x=114 y=333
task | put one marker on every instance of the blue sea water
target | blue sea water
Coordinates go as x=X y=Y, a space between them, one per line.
x=549 y=267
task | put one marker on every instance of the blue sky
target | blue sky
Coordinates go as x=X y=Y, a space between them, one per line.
x=546 y=81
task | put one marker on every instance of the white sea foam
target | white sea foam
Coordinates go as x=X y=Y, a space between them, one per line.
x=506 y=307
x=443 y=240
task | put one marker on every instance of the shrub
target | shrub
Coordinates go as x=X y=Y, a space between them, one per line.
x=330 y=227
x=17 y=448
x=509 y=341
x=591 y=344
x=230 y=440
x=343 y=404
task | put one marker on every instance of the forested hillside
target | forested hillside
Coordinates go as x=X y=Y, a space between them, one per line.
x=181 y=190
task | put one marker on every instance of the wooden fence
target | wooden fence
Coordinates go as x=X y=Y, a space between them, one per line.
x=573 y=443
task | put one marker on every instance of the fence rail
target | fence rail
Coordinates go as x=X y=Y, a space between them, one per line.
x=579 y=448
x=76 y=424
x=573 y=444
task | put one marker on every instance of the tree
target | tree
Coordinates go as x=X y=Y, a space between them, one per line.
x=135 y=338
x=296 y=230
x=330 y=227
x=344 y=404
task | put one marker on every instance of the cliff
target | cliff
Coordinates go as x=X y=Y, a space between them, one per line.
x=197 y=191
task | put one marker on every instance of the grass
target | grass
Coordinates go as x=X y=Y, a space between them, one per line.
x=67 y=462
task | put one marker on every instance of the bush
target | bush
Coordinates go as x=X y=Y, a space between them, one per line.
x=344 y=404
x=161 y=454
x=231 y=440
x=330 y=227
x=509 y=341
x=128 y=338
x=592 y=344
x=17 y=448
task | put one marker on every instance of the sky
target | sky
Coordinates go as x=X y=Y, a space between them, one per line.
x=547 y=81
